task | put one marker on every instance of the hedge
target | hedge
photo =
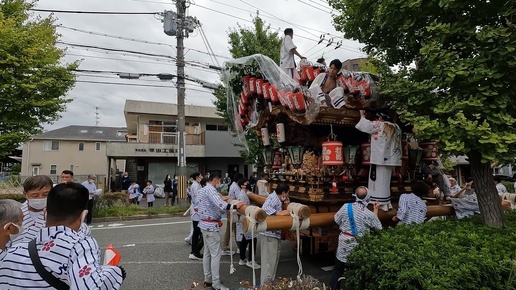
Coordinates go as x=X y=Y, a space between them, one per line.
x=452 y=254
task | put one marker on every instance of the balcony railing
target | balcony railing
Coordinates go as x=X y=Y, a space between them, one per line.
x=171 y=138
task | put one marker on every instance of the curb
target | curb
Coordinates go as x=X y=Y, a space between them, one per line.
x=136 y=217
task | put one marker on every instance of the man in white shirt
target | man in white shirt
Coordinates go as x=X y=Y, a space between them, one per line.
x=71 y=260
x=92 y=188
x=411 y=208
x=287 y=52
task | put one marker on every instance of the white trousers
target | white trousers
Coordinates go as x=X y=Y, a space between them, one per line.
x=211 y=258
x=380 y=188
x=270 y=254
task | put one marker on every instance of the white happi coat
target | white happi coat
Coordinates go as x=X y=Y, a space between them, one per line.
x=385 y=154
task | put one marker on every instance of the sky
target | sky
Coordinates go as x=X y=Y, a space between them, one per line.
x=101 y=43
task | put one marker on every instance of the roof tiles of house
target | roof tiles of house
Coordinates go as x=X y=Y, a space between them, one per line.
x=85 y=133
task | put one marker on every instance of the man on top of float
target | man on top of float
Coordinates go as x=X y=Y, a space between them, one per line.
x=385 y=155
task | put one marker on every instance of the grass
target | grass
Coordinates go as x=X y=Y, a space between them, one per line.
x=131 y=210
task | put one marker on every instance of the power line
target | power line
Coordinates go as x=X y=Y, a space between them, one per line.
x=138 y=85
x=308 y=4
x=94 y=12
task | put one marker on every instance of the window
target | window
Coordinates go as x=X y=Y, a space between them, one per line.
x=211 y=127
x=97 y=146
x=356 y=67
x=71 y=168
x=81 y=146
x=50 y=145
x=35 y=170
x=53 y=169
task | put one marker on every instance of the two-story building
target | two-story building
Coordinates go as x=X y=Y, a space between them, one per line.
x=81 y=149
x=151 y=148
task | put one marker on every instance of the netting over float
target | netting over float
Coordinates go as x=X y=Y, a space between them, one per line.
x=256 y=85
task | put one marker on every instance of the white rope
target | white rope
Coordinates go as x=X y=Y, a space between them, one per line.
x=252 y=225
x=232 y=212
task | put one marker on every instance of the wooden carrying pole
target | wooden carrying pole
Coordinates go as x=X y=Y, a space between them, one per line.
x=327 y=219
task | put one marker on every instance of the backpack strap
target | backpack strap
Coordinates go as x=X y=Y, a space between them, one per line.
x=351 y=218
x=47 y=276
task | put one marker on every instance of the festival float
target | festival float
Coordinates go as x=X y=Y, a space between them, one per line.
x=310 y=142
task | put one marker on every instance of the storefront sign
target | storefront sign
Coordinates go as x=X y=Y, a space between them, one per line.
x=156 y=150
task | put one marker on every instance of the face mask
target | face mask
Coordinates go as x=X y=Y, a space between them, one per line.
x=38 y=203
x=283 y=198
x=218 y=185
x=13 y=237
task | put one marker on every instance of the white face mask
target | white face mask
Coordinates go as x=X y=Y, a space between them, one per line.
x=13 y=237
x=283 y=198
x=37 y=203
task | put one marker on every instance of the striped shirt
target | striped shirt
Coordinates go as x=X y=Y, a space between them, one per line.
x=411 y=209
x=211 y=207
x=31 y=227
x=194 y=194
x=364 y=220
x=271 y=206
x=234 y=189
x=69 y=256
x=242 y=196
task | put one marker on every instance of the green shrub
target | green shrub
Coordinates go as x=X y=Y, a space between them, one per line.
x=16 y=196
x=453 y=254
x=110 y=199
x=124 y=210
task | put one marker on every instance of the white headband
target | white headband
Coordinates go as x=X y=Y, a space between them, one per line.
x=365 y=199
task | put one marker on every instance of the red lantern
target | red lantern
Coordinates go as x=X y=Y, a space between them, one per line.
x=283 y=96
x=273 y=93
x=332 y=153
x=430 y=152
x=309 y=71
x=265 y=91
x=252 y=84
x=244 y=98
x=299 y=102
x=366 y=153
x=316 y=72
x=259 y=83
x=303 y=76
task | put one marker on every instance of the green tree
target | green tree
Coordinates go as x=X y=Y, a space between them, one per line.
x=245 y=41
x=455 y=79
x=33 y=78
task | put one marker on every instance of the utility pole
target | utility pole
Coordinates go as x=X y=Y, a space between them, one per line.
x=178 y=25
x=181 y=150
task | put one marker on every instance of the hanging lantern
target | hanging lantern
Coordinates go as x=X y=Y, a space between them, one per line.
x=252 y=84
x=280 y=132
x=277 y=162
x=296 y=154
x=415 y=157
x=366 y=153
x=265 y=137
x=265 y=90
x=309 y=71
x=267 y=156
x=273 y=93
x=350 y=152
x=430 y=149
x=332 y=153
x=259 y=83
x=299 y=101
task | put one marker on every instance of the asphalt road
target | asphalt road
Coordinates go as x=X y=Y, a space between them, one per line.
x=155 y=256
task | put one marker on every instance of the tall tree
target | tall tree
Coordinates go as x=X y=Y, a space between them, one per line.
x=456 y=76
x=33 y=79
x=244 y=41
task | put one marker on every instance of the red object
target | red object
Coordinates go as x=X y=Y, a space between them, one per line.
x=343 y=82
x=332 y=153
x=244 y=98
x=362 y=85
x=299 y=102
x=258 y=83
x=316 y=72
x=366 y=153
x=283 y=96
x=430 y=151
x=111 y=256
x=265 y=91
x=309 y=71
x=303 y=76
x=334 y=185
x=273 y=93
x=252 y=84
